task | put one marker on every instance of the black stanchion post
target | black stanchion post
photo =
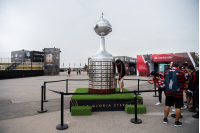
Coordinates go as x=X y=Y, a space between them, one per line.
x=136 y=120
x=45 y=92
x=66 y=85
x=155 y=90
x=138 y=86
x=62 y=126
x=42 y=110
x=115 y=83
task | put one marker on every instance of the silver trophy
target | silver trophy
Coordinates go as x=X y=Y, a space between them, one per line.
x=101 y=73
x=102 y=28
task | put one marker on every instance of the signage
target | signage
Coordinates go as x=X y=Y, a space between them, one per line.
x=105 y=105
x=163 y=57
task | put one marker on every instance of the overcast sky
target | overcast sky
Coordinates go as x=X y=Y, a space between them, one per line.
x=138 y=27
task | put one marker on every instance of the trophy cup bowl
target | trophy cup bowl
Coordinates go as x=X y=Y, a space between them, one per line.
x=102 y=27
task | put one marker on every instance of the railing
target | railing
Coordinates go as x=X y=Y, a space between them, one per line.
x=63 y=126
x=22 y=66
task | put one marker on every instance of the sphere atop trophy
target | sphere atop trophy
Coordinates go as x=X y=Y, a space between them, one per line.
x=102 y=27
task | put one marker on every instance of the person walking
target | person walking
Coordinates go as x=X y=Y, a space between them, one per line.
x=160 y=84
x=121 y=71
x=174 y=80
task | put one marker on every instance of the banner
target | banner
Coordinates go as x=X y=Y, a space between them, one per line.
x=105 y=105
x=142 y=66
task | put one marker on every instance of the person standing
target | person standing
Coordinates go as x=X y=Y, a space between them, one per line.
x=187 y=76
x=69 y=72
x=191 y=85
x=170 y=66
x=121 y=71
x=77 y=71
x=174 y=80
x=160 y=84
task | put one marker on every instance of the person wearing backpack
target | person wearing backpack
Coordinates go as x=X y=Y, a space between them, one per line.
x=191 y=85
x=174 y=80
x=160 y=84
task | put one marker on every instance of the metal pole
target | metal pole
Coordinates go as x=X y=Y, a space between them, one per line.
x=66 y=85
x=62 y=108
x=136 y=120
x=62 y=126
x=138 y=86
x=155 y=90
x=135 y=107
x=45 y=92
x=115 y=83
x=42 y=110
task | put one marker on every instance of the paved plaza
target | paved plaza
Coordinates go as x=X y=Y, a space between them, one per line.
x=20 y=98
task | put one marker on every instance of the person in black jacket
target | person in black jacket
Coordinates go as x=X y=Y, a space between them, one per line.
x=191 y=84
x=121 y=71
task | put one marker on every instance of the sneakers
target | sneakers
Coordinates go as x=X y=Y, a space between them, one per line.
x=173 y=110
x=158 y=103
x=195 y=116
x=177 y=124
x=184 y=107
x=165 y=120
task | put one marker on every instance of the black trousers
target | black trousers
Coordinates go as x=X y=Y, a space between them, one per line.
x=160 y=93
x=196 y=100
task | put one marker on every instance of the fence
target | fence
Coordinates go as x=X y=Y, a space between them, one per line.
x=22 y=66
x=63 y=126
x=88 y=79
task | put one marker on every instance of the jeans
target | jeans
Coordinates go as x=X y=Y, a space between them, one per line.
x=160 y=93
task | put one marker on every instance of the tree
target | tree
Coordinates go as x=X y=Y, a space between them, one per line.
x=197 y=59
x=85 y=67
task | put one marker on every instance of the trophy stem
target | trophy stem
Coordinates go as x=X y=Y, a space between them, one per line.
x=102 y=45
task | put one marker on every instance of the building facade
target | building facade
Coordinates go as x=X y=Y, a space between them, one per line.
x=159 y=62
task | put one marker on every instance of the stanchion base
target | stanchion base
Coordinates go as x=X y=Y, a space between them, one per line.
x=174 y=116
x=191 y=110
x=45 y=101
x=42 y=111
x=62 y=127
x=136 y=122
x=155 y=96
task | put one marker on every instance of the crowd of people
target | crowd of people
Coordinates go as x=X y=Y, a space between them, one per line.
x=177 y=80
x=78 y=71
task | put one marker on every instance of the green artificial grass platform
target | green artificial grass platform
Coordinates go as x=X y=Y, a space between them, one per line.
x=130 y=109
x=102 y=96
x=81 y=110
